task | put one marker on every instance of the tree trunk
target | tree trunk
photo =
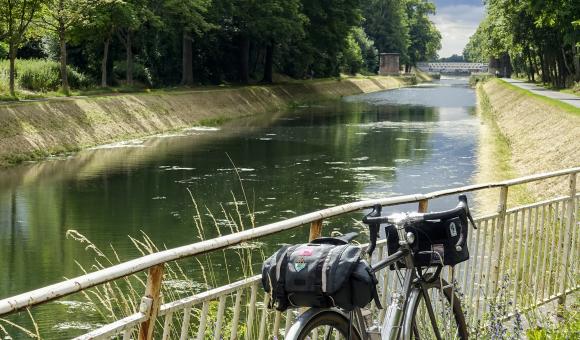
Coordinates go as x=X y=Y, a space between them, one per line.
x=544 y=68
x=12 y=52
x=63 y=73
x=576 y=58
x=268 y=63
x=129 y=47
x=244 y=59
x=187 y=60
x=104 y=62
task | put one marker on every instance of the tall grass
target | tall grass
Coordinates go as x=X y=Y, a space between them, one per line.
x=39 y=75
x=120 y=298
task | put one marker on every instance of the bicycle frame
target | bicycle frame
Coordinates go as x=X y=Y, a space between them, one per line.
x=398 y=320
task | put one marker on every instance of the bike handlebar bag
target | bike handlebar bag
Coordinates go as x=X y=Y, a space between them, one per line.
x=434 y=242
x=318 y=275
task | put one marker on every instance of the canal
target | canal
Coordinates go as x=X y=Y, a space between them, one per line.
x=180 y=187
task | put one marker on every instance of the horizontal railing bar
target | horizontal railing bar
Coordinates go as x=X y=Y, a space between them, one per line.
x=539 y=177
x=77 y=284
x=538 y=204
x=541 y=303
x=208 y=295
x=115 y=327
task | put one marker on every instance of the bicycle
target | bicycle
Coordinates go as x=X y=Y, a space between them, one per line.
x=427 y=307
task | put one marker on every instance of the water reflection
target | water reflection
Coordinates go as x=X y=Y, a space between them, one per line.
x=388 y=143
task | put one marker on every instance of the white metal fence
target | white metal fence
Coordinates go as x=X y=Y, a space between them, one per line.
x=531 y=252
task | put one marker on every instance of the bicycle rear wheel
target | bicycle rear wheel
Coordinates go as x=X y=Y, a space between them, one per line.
x=328 y=325
x=435 y=313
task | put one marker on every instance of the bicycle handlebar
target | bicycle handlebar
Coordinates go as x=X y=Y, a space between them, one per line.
x=374 y=220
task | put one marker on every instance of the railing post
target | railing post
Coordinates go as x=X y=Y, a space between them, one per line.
x=423 y=206
x=151 y=301
x=315 y=230
x=570 y=222
x=498 y=237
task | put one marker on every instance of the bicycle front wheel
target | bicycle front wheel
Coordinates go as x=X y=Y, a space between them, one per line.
x=435 y=313
x=328 y=325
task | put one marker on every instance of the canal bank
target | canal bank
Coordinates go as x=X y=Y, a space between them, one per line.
x=34 y=130
x=523 y=134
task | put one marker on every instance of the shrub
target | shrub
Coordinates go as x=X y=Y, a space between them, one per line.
x=3 y=50
x=40 y=75
x=141 y=74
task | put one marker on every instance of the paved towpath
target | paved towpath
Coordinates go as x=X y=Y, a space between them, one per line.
x=564 y=97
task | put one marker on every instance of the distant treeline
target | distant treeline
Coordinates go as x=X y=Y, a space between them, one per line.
x=539 y=39
x=166 y=42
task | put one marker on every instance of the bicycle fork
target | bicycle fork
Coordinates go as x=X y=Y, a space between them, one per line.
x=393 y=320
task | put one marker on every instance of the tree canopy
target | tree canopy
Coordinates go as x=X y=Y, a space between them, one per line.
x=159 y=43
x=538 y=37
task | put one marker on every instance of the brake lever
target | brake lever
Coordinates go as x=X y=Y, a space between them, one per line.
x=373 y=229
x=463 y=199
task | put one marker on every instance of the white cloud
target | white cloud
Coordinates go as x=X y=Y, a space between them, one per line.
x=456 y=24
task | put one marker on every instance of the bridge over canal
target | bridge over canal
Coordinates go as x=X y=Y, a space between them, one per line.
x=453 y=67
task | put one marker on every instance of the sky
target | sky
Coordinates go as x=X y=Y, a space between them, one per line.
x=457 y=20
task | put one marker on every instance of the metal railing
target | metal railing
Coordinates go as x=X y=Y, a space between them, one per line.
x=536 y=246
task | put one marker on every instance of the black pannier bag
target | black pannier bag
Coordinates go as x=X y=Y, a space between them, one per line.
x=435 y=242
x=319 y=275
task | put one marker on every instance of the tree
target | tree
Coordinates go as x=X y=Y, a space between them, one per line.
x=330 y=23
x=106 y=18
x=265 y=23
x=58 y=17
x=16 y=16
x=189 y=17
x=425 y=39
x=386 y=22
x=539 y=38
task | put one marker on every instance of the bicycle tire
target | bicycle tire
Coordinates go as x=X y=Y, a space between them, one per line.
x=317 y=327
x=418 y=325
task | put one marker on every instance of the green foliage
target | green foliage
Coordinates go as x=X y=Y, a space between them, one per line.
x=388 y=25
x=140 y=73
x=231 y=41
x=539 y=37
x=3 y=50
x=369 y=52
x=40 y=75
x=425 y=39
x=453 y=59
x=352 y=59
x=569 y=328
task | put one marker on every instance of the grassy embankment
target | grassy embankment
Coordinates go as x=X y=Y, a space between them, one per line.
x=32 y=130
x=521 y=134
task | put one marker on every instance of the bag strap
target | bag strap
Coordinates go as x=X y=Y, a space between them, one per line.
x=374 y=289
x=280 y=299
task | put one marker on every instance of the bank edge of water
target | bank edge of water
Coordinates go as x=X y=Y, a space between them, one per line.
x=522 y=135
x=35 y=130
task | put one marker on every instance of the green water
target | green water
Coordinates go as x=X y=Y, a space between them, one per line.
x=383 y=144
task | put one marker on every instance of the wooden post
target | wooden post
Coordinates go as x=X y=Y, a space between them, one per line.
x=152 y=293
x=498 y=237
x=570 y=222
x=423 y=206
x=315 y=230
